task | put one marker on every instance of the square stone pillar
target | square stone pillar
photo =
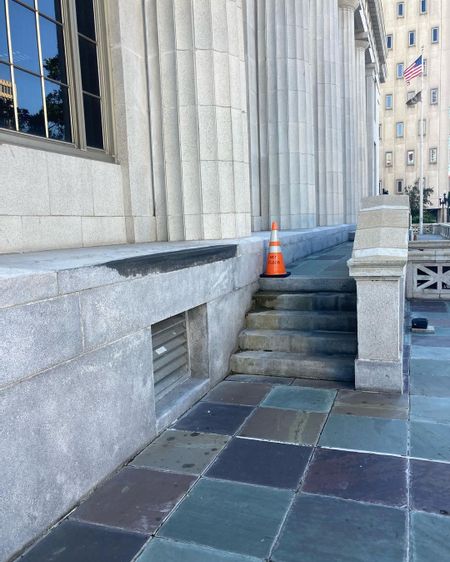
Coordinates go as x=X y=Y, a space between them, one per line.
x=378 y=265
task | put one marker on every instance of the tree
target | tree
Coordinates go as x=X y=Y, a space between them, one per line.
x=413 y=192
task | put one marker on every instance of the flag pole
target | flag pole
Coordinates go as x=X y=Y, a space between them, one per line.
x=421 y=187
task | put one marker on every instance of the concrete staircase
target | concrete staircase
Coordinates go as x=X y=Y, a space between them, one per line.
x=303 y=327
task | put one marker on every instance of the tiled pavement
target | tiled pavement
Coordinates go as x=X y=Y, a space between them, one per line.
x=287 y=471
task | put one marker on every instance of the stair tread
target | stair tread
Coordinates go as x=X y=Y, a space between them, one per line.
x=280 y=355
x=301 y=333
x=287 y=312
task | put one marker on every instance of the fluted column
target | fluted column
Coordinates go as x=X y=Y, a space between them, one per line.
x=349 y=106
x=362 y=172
x=372 y=130
x=199 y=118
x=327 y=101
x=286 y=132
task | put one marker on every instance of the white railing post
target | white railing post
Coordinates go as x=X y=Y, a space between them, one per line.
x=378 y=264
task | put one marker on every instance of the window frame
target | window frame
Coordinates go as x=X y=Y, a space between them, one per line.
x=402 y=124
x=413 y=33
x=402 y=5
x=424 y=121
x=433 y=29
x=401 y=66
x=390 y=37
x=430 y=160
x=391 y=96
x=423 y=3
x=402 y=183
x=388 y=162
x=77 y=147
x=434 y=90
x=413 y=162
x=425 y=67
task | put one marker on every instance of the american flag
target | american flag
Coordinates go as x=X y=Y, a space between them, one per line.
x=413 y=70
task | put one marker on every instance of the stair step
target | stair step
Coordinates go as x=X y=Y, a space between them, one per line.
x=302 y=320
x=305 y=301
x=295 y=365
x=309 y=284
x=296 y=341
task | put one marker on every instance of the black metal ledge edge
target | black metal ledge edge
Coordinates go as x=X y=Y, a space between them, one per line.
x=164 y=262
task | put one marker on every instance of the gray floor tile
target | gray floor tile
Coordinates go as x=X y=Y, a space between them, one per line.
x=164 y=550
x=135 y=499
x=302 y=399
x=430 y=367
x=247 y=394
x=372 y=404
x=261 y=462
x=284 y=426
x=357 y=476
x=187 y=452
x=430 y=486
x=430 y=385
x=317 y=383
x=210 y=417
x=75 y=542
x=429 y=537
x=361 y=433
x=229 y=516
x=430 y=441
x=322 y=529
x=429 y=408
x=420 y=352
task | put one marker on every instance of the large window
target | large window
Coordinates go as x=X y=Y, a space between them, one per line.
x=50 y=65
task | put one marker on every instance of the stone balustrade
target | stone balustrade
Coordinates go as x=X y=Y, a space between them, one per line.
x=378 y=264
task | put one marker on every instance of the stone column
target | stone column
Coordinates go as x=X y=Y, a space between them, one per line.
x=285 y=117
x=327 y=114
x=372 y=130
x=198 y=115
x=361 y=44
x=349 y=106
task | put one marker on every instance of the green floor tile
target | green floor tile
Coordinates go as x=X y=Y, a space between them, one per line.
x=429 y=408
x=430 y=441
x=361 y=433
x=323 y=529
x=302 y=399
x=162 y=550
x=429 y=537
x=182 y=451
x=233 y=517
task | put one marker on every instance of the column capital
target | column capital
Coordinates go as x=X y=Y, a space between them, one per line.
x=362 y=44
x=348 y=4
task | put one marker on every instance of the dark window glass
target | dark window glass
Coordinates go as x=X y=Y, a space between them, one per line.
x=85 y=18
x=58 y=111
x=23 y=37
x=89 y=68
x=52 y=45
x=29 y=103
x=93 y=121
x=3 y=36
x=6 y=98
x=51 y=8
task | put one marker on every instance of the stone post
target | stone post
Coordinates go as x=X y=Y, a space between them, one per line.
x=349 y=105
x=378 y=265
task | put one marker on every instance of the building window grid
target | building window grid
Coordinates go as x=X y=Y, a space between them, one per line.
x=59 y=72
x=411 y=38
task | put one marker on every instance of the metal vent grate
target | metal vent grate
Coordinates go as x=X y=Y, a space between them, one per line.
x=170 y=353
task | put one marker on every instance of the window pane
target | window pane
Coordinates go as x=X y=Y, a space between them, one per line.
x=23 y=37
x=50 y=8
x=3 y=37
x=52 y=45
x=58 y=111
x=89 y=69
x=29 y=103
x=6 y=99
x=85 y=18
x=93 y=121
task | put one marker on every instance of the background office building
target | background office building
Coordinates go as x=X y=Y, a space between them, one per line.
x=411 y=25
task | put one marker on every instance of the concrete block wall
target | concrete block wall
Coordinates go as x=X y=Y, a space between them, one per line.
x=76 y=383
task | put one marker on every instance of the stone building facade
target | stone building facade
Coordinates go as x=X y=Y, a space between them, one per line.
x=153 y=127
x=409 y=27
x=200 y=119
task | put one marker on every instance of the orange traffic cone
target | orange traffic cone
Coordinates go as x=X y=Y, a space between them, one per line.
x=275 y=263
